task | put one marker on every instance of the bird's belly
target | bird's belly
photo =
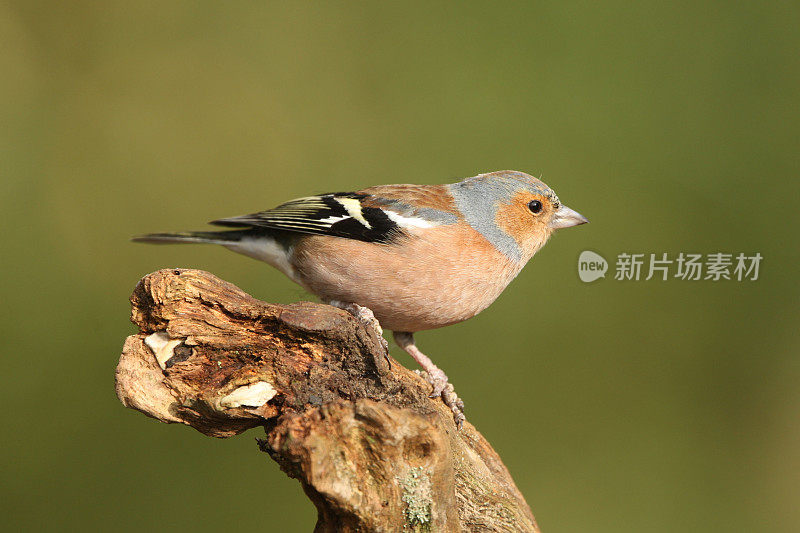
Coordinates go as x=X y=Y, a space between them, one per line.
x=415 y=287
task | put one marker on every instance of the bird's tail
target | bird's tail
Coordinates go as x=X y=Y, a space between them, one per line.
x=194 y=237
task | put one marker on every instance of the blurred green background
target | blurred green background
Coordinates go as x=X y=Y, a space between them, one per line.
x=618 y=406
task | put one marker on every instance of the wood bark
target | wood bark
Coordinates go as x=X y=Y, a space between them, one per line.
x=371 y=450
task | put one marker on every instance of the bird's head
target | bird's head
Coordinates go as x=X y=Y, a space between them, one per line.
x=516 y=212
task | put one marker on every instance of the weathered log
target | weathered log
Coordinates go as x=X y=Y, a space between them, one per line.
x=370 y=448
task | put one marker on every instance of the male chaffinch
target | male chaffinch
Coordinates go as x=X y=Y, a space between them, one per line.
x=414 y=257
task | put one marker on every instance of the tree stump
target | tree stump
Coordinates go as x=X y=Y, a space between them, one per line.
x=372 y=451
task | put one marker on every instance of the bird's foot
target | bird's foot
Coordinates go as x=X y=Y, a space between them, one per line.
x=367 y=319
x=433 y=375
x=444 y=389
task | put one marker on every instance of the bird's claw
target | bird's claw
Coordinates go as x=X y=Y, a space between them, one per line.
x=367 y=319
x=444 y=389
x=438 y=380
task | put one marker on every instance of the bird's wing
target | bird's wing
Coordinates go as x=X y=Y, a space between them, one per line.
x=378 y=214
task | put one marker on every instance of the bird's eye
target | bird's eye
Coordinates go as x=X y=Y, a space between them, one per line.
x=535 y=206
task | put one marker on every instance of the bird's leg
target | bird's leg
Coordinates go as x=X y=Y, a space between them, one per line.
x=367 y=319
x=435 y=376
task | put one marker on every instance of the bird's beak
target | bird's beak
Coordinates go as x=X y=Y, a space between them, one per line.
x=566 y=218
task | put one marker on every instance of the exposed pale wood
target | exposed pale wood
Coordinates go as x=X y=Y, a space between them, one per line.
x=369 y=447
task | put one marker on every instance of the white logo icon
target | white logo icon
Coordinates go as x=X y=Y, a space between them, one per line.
x=591 y=266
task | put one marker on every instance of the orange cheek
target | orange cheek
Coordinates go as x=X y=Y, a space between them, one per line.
x=527 y=229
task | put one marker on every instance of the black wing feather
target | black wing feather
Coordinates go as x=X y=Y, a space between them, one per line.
x=324 y=215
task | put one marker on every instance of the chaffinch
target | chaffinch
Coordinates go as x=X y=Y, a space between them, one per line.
x=409 y=257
